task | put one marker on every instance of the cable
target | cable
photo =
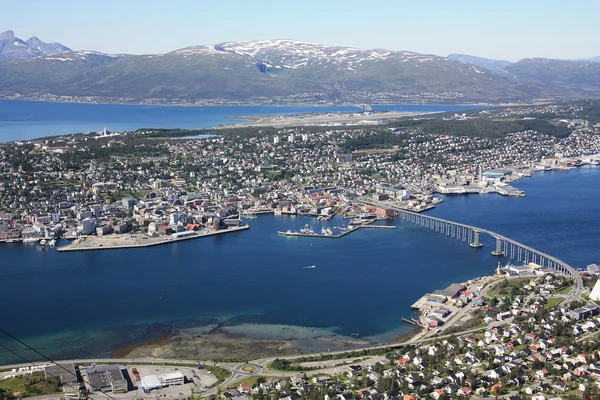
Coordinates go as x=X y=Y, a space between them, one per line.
x=51 y=360
x=32 y=363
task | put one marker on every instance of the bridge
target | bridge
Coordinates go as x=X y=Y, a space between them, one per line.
x=505 y=246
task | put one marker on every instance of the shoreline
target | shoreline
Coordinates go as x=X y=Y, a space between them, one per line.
x=154 y=343
x=250 y=104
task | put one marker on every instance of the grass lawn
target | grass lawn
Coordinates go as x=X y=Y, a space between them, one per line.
x=31 y=385
x=553 y=302
x=564 y=290
x=497 y=290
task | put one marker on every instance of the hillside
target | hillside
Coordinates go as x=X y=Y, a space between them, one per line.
x=282 y=71
x=487 y=63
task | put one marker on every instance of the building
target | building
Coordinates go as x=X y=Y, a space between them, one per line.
x=106 y=378
x=595 y=295
x=451 y=291
x=594 y=269
x=69 y=380
x=173 y=379
x=584 y=312
x=521 y=269
x=150 y=382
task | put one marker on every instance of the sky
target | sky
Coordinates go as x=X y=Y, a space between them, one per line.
x=509 y=30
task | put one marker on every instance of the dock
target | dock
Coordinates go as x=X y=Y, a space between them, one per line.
x=342 y=234
x=114 y=242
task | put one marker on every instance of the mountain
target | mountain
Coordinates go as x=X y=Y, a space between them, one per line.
x=11 y=47
x=275 y=72
x=486 y=63
x=46 y=48
x=592 y=59
x=582 y=74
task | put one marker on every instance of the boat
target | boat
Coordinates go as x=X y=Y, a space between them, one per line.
x=52 y=242
x=358 y=221
x=30 y=240
x=10 y=240
x=43 y=242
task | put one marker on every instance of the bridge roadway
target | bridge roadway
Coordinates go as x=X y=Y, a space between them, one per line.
x=505 y=246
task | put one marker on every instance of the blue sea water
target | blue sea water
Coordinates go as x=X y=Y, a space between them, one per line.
x=23 y=120
x=81 y=304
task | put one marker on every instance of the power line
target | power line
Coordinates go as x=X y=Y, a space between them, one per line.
x=32 y=363
x=51 y=360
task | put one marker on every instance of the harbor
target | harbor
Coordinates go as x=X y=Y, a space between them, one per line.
x=328 y=233
x=139 y=241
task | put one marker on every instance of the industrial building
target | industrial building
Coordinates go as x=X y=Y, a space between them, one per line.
x=106 y=378
x=451 y=291
x=151 y=382
x=69 y=380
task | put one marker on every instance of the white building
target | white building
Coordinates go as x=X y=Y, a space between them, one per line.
x=276 y=139
x=291 y=137
x=595 y=295
x=172 y=379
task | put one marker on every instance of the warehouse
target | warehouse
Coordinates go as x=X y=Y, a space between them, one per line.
x=106 y=378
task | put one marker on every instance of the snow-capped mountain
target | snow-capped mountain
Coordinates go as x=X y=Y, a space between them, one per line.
x=287 y=71
x=292 y=54
x=11 y=47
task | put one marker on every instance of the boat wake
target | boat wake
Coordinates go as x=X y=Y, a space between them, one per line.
x=310 y=267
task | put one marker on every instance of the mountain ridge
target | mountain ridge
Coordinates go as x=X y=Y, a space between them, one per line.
x=14 y=48
x=282 y=71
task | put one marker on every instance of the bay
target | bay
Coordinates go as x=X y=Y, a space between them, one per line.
x=86 y=304
x=24 y=120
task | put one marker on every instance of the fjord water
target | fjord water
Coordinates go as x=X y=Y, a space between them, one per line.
x=23 y=120
x=86 y=304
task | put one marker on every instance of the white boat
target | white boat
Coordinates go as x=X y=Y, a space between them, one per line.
x=29 y=240
x=52 y=242
x=43 y=242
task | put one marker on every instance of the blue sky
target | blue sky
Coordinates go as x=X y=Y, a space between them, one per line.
x=506 y=29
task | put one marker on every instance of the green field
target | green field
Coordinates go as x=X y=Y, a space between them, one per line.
x=28 y=386
x=564 y=291
x=553 y=302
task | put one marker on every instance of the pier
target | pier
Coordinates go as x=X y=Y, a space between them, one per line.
x=131 y=241
x=342 y=234
x=504 y=246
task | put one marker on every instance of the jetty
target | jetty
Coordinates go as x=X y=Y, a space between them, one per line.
x=114 y=242
x=352 y=228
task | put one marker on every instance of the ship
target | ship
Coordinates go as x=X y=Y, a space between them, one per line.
x=30 y=240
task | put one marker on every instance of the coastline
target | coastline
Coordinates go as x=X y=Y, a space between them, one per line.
x=162 y=344
x=246 y=104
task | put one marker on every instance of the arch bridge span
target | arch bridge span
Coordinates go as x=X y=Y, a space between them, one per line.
x=505 y=246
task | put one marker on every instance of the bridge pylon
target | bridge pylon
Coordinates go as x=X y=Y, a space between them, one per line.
x=498 y=252
x=475 y=243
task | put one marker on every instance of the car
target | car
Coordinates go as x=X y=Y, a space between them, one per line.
x=200 y=366
x=438 y=330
